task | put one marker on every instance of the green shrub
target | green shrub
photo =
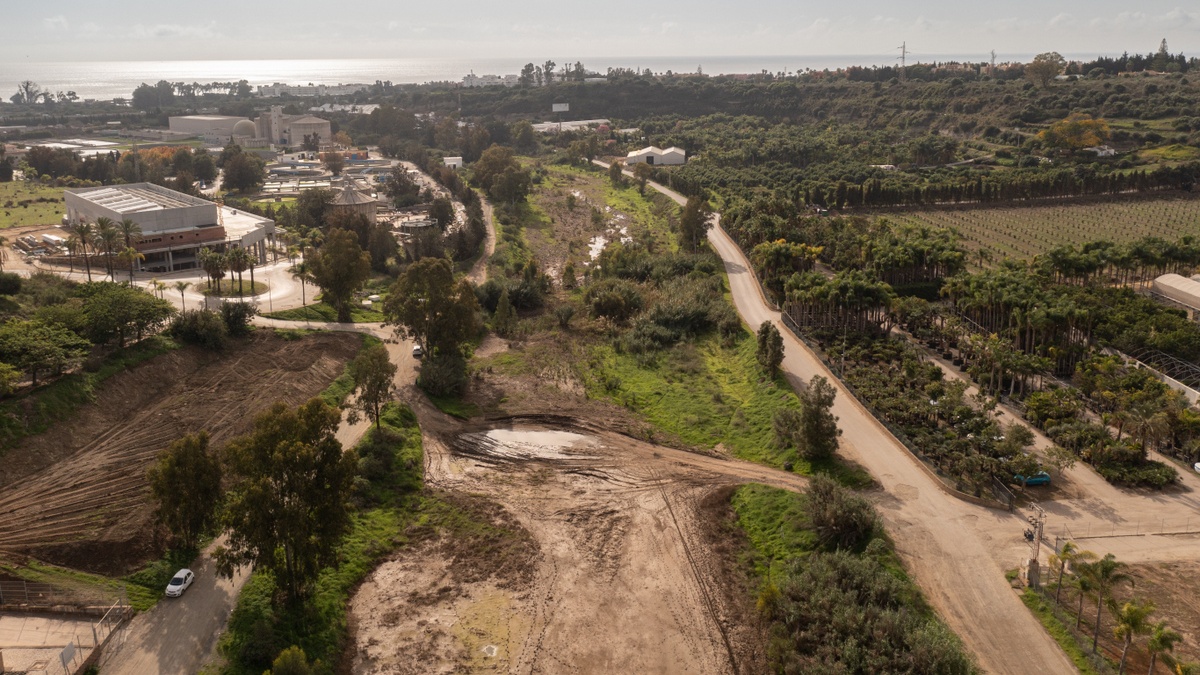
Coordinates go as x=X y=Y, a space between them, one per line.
x=237 y=317
x=202 y=327
x=840 y=518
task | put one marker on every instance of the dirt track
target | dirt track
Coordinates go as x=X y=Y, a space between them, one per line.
x=625 y=579
x=76 y=495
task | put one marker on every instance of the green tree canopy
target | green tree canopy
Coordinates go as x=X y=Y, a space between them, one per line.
x=244 y=173
x=427 y=305
x=287 y=505
x=1045 y=67
x=339 y=268
x=372 y=372
x=186 y=484
x=36 y=347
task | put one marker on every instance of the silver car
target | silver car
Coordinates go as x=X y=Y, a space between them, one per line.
x=179 y=583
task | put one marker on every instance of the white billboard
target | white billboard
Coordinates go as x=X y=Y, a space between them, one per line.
x=561 y=107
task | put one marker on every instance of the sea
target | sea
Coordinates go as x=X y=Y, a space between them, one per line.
x=103 y=80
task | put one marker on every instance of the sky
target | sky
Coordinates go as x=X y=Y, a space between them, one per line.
x=119 y=30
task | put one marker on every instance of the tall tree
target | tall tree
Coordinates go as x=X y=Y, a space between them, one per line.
x=109 y=237
x=1044 y=68
x=1162 y=641
x=244 y=173
x=36 y=347
x=186 y=484
x=1104 y=575
x=770 y=348
x=287 y=505
x=1132 y=619
x=182 y=286
x=818 y=432
x=339 y=268
x=373 y=373
x=694 y=224
x=131 y=256
x=85 y=232
x=1069 y=555
x=427 y=305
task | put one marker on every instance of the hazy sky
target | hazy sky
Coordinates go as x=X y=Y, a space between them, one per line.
x=221 y=29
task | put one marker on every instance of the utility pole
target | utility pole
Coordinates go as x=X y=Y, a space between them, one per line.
x=992 y=67
x=1033 y=567
x=903 y=58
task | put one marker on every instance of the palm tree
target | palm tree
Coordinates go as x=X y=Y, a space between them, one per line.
x=1082 y=583
x=182 y=286
x=72 y=246
x=131 y=256
x=1105 y=574
x=85 y=232
x=1069 y=555
x=130 y=231
x=239 y=260
x=3 y=252
x=1162 y=641
x=109 y=237
x=1132 y=619
x=301 y=274
x=159 y=287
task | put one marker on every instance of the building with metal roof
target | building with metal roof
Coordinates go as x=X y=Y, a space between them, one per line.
x=175 y=226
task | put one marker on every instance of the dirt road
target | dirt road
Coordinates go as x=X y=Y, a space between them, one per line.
x=945 y=542
x=180 y=633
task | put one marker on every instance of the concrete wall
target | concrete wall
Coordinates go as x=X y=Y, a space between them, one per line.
x=204 y=125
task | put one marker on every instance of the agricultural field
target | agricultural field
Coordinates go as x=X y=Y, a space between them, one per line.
x=24 y=204
x=1022 y=232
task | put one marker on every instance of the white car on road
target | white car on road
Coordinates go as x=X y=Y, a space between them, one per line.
x=179 y=583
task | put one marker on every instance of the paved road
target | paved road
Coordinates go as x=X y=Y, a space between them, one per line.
x=938 y=536
x=178 y=634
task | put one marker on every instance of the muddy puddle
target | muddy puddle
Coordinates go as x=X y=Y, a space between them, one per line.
x=528 y=443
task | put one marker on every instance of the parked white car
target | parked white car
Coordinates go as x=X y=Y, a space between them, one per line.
x=418 y=352
x=179 y=583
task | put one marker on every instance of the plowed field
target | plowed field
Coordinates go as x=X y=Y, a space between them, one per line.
x=77 y=494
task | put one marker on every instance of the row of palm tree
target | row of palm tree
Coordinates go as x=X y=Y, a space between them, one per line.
x=236 y=260
x=1093 y=577
x=107 y=237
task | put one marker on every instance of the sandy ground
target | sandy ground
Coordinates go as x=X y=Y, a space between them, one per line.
x=624 y=579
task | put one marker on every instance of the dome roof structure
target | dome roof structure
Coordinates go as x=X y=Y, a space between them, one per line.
x=349 y=196
x=245 y=128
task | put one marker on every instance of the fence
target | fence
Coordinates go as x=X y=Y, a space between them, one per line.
x=20 y=594
x=1048 y=590
x=1138 y=528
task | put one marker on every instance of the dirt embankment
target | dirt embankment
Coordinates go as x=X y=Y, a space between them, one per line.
x=77 y=494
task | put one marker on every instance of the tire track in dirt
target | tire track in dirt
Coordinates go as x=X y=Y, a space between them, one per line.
x=81 y=499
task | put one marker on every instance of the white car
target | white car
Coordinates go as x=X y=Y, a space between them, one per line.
x=179 y=583
x=418 y=352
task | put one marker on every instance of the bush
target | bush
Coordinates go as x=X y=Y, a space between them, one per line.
x=840 y=518
x=614 y=299
x=201 y=327
x=443 y=375
x=237 y=317
x=10 y=283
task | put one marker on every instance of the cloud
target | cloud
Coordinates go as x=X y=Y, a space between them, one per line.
x=58 y=22
x=172 y=30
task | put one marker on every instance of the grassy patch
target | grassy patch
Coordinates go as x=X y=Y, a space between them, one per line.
x=34 y=412
x=229 y=288
x=1057 y=630
x=340 y=389
x=99 y=588
x=512 y=248
x=326 y=314
x=455 y=407
x=1172 y=153
x=24 y=204
x=701 y=392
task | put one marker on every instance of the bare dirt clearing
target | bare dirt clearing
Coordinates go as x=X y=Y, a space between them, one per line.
x=626 y=577
x=77 y=495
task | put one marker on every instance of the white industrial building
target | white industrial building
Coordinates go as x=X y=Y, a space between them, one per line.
x=473 y=80
x=453 y=162
x=1179 y=289
x=576 y=125
x=283 y=129
x=215 y=129
x=175 y=226
x=657 y=156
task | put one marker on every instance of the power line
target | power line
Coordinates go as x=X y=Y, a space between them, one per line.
x=903 y=58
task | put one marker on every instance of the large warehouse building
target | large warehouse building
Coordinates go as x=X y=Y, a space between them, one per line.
x=216 y=129
x=175 y=226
